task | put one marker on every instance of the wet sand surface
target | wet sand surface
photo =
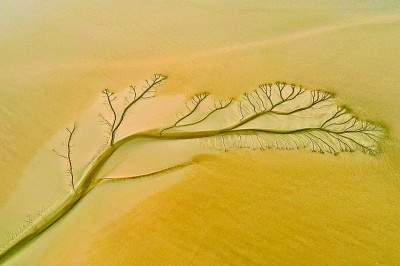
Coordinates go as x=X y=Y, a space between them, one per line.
x=241 y=207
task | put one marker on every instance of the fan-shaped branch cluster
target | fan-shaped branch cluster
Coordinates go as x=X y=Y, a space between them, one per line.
x=279 y=116
x=148 y=91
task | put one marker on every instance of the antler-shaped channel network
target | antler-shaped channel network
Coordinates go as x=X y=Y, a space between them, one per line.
x=148 y=91
x=276 y=115
x=67 y=156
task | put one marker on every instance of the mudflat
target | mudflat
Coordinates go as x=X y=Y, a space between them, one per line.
x=240 y=207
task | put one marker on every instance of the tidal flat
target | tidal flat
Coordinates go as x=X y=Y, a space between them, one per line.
x=241 y=207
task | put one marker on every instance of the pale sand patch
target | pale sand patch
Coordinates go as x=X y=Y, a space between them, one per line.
x=90 y=137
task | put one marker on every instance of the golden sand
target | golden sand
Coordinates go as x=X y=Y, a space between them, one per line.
x=271 y=207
